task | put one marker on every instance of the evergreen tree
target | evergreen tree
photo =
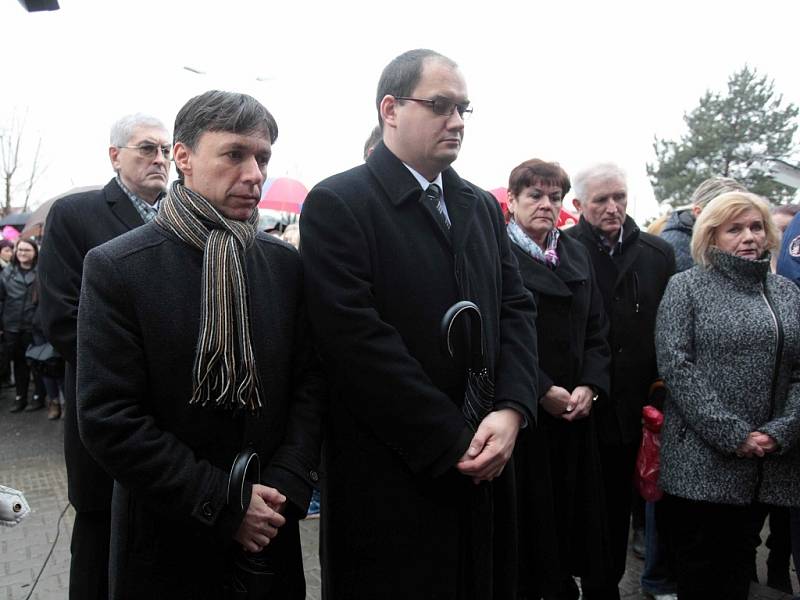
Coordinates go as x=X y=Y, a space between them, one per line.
x=724 y=133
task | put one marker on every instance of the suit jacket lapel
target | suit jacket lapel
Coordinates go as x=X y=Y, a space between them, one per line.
x=121 y=205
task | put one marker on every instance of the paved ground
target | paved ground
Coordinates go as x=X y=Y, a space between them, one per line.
x=31 y=459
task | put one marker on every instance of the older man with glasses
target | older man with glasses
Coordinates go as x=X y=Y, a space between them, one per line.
x=140 y=149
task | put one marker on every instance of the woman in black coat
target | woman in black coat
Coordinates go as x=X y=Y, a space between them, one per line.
x=18 y=306
x=557 y=464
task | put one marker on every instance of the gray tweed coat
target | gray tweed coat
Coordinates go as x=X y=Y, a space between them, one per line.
x=728 y=347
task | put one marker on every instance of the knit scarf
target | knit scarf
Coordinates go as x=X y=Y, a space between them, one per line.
x=548 y=256
x=224 y=372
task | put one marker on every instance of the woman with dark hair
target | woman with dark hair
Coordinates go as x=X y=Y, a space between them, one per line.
x=728 y=347
x=17 y=308
x=557 y=464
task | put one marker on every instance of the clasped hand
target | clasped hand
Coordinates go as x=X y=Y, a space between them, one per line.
x=262 y=519
x=491 y=446
x=559 y=403
x=757 y=444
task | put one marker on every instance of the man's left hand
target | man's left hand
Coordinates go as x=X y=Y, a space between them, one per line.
x=491 y=446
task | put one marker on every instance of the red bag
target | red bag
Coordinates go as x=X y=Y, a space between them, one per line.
x=647 y=462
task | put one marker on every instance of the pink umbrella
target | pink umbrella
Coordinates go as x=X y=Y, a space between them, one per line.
x=501 y=195
x=283 y=194
x=10 y=233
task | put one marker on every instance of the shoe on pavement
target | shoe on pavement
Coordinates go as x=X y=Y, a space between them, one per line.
x=18 y=405
x=54 y=410
x=36 y=404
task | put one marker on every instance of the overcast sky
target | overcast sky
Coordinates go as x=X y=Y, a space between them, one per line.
x=577 y=82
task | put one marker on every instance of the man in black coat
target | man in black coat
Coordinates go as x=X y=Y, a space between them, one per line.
x=139 y=153
x=193 y=348
x=407 y=502
x=632 y=269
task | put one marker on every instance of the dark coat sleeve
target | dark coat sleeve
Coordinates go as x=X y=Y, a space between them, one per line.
x=60 y=269
x=293 y=469
x=516 y=381
x=113 y=421
x=390 y=392
x=596 y=351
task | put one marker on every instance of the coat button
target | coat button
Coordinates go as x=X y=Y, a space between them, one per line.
x=208 y=510
x=314 y=476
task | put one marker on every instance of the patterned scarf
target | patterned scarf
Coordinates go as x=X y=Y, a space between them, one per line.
x=224 y=372
x=548 y=256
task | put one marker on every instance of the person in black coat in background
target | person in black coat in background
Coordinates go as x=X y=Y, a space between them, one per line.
x=632 y=269
x=403 y=512
x=557 y=463
x=18 y=300
x=139 y=151
x=192 y=348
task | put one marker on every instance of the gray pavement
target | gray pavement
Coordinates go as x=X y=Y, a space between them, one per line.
x=31 y=459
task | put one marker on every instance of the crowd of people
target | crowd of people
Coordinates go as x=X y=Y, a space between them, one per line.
x=26 y=353
x=462 y=458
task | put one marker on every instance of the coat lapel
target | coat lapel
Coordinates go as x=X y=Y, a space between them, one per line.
x=400 y=186
x=461 y=206
x=542 y=279
x=121 y=205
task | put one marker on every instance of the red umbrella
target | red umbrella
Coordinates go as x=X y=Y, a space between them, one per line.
x=501 y=195
x=283 y=194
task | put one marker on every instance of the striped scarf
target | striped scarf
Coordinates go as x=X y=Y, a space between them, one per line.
x=224 y=372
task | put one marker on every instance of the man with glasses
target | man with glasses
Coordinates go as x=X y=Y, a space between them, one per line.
x=140 y=151
x=416 y=501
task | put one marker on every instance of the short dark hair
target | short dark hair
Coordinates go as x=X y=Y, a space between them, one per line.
x=374 y=137
x=222 y=111
x=550 y=173
x=401 y=76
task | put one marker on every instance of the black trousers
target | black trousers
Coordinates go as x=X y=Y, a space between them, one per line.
x=618 y=463
x=713 y=547
x=17 y=343
x=88 y=571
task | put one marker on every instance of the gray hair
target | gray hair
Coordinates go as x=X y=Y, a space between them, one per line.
x=122 y=130
x=401 y=76
x=222 y=111
x=713 y=187
x=603 y=171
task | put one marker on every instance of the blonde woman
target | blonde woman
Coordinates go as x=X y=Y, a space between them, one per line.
x=728 y=344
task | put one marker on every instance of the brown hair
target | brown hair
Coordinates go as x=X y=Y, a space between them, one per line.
x=530 y=171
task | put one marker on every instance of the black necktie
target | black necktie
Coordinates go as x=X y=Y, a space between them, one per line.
x=433 y=198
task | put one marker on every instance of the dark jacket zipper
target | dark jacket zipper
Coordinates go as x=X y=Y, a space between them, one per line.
x=775 y=368
x=636 y=291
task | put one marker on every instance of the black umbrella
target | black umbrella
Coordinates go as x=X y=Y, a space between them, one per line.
x=15 y=219
x=251 y=574
x=479 y=393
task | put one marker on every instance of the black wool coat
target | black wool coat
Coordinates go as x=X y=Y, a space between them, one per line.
x=558 y=474
x=380 y=275
x=631 y=283
x=75 y=225
x=139 y=318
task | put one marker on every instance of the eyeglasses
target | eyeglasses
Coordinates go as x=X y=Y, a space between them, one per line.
x=148 y=150
x=442 y=106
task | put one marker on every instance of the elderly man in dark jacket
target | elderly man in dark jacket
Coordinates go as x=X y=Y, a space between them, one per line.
x=410 y=509
x=192 y=347
x=632 y=269
x=139 y=152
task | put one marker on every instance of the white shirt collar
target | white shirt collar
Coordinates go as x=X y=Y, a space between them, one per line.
x=423 y=182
